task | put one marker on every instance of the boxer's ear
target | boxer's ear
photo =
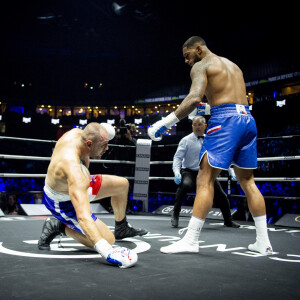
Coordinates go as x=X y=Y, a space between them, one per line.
x=89 y=143
x=199 y=49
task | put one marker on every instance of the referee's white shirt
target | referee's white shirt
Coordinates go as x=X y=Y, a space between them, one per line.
x=187 y=153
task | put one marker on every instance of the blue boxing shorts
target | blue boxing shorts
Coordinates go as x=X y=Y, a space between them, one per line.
x=230 y=137
x=61 y=207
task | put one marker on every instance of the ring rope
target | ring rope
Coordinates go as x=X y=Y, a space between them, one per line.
x=25 y=139
x=23 y=157
x=54 y=141
x=6 y=156
x=13 y=175
x=269 y=197
x=278 y=137
x=171 y=193
x=233 y=196
x=275 y=158
x=226 y=179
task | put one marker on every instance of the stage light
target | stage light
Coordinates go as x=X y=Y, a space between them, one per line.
x=55 y=121
x=280 y=103
x=83 y=122
x=26 y=120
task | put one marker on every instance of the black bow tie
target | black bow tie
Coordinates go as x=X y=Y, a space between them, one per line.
x=200 y=137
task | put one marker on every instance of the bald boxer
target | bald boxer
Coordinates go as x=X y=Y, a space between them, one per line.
x=69 y=189
x=230 y=140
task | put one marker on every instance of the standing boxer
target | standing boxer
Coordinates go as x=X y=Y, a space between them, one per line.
x=230 y=140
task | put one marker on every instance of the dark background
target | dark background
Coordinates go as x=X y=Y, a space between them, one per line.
x=54 y=47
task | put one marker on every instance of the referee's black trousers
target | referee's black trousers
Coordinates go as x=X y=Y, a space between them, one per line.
x=189 y=183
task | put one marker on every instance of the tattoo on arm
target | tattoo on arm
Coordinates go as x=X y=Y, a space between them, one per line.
x=197 y=90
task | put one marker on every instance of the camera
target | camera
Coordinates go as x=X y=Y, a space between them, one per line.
x=124 y=127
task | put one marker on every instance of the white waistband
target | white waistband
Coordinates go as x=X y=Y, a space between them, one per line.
x=55 y=196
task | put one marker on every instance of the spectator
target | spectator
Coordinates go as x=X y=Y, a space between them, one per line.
x=12 y=206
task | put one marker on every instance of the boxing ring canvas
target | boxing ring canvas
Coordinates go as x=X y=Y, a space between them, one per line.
x=223 y=268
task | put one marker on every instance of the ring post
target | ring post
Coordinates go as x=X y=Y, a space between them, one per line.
x=142 y=170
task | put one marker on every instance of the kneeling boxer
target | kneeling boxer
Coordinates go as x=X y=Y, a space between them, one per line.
x=69 y=189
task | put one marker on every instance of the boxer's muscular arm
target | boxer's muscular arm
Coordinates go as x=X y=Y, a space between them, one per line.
x=78 y=181
x=197 y=90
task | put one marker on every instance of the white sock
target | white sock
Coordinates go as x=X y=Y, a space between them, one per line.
x=261 y=228
x=196 y=223
x=194 y=229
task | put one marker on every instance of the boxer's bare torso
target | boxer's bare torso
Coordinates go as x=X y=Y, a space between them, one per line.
x=225 y=82
x=66 y=158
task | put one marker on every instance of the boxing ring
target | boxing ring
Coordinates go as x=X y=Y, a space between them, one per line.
x=223 y=269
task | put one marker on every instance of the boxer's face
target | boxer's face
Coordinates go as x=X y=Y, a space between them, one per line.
x=97 y=149
x=191 y=55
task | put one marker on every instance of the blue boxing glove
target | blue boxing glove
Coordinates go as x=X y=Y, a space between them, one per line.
x=156 y=131
x=177 y=178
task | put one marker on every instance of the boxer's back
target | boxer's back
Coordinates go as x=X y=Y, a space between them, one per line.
x=225 y=82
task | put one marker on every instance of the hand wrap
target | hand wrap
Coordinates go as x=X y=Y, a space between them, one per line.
x=156 y=131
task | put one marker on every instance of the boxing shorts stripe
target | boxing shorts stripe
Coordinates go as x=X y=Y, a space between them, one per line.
x=213 y=129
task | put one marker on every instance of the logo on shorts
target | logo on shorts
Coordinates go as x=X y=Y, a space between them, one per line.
x=213 y=129
x=241 y=109
x=93 y=179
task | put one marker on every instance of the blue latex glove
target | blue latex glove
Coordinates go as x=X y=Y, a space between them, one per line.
x=177 y=178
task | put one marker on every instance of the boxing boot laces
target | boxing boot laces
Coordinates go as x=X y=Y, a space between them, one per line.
x=51 y=228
